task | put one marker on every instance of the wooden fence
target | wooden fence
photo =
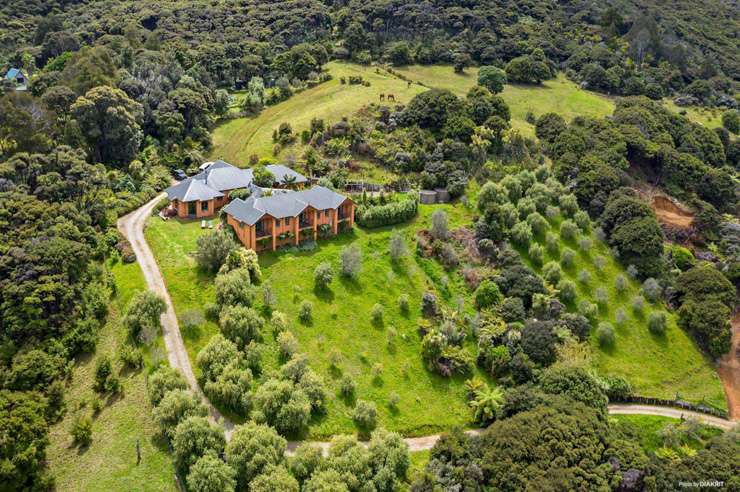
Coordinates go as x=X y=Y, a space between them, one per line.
x=675 y=404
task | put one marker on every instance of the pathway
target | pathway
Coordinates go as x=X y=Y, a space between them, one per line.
x=132 y=227
x=729 y=371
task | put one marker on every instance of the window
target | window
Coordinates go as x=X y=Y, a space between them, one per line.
x=259 y=228
x=277 y=222
x=287 y=221
x=204 y=206
x=326 y=213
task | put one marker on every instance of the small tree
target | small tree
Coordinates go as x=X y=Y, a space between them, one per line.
x=211 y=474
x=347 y=386
x=195 y=437
x=234 y=288
x=241 y=325
x=376 y=315
x=305 y=312
x=365 y=415
x=288 y=344
x=397 y=247
x=142 y=315
x=351 y=258
x=82 y=430
x=605 y=334
x=213 y=249
x=657 y=323
x=492 y=78
x=487 y=294
x=403 y=303
x=651 y=289
x=567 y=291
x=323 y=275
x=439 y=224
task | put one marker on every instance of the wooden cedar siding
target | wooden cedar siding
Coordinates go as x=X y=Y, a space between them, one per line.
x=213 y=206
x=273 y=228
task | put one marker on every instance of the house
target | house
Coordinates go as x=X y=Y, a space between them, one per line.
x=203 y=194
x=15 y=76
x=289 y=217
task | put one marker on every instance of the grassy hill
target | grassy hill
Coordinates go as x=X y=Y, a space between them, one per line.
x=237 y=139
x=341 y=320
x=109 y=463
x=659 y=366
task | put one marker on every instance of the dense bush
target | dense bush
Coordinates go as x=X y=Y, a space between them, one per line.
x=323 y=275
x=388 y=214
x=213 y=249
x=365 y=415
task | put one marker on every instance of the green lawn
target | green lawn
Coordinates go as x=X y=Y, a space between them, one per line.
x=559 y=95
x=648 y=428
x=341 y=320
x=109 y=463
x=709 y=117
x=235 y=140
x=660 y=367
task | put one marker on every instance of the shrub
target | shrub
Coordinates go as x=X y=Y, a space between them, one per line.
x=600 y=263
x=567 y=291
x=552 y=212
x=365 y=415
x=397 y=246
x=657 y=323
x=439 y=225
x=162 y=381
x=288 y=344
x=211 y=474
x=234 y=288
x=213 y=249
x=552 y=272
x=537 y=222
x=393 y=400
x=487 y=294
x=269 y=299
x=537 y=254
x=582 y=220
x=602 y=297
x=568 y=204
x=195 y=437
x=512 y=309
x=176 y=406
x=323 y=275
x=585 y=245
x=279 y=322
x=403 y=303
x=638 y=305
x=241 y=325
x=568 y=258
x=376 y=314
x=388 y=214
x=620 y=283
x=192 y=319
x=351 y=258
x=605 y=334
x=429 y=304
x=305 y=312
x=282 y=405
x=521 y=233
x=568 y=230
x=621 y=317
x=588 y=309
x=131 y=357
x=347 y=386
x=584 y=276
x=82 y=430
x=142 y=316
x=103 y=372
x=651 y=289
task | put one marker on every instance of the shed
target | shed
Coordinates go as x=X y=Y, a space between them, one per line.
x=427 y=197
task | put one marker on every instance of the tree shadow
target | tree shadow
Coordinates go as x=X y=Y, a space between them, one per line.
x=351 y=284
x=324 y=294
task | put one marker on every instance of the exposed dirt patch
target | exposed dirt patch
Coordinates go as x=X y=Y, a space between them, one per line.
x=729 y=370
x=668 y=212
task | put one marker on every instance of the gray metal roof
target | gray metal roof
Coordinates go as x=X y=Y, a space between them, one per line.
x=222 y=176
x=244 y=211
x=283 y=204
x=191 y=190
x=280 y=171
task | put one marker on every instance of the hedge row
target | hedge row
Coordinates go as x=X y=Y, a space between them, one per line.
x=389 y=214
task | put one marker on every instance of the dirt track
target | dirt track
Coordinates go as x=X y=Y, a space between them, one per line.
x=132 y=227
x=729 y=371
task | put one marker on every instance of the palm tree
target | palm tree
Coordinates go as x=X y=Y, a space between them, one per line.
x=486 y=404
x=289 y=179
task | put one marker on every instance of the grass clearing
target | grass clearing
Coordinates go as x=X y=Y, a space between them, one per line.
x=708 y=117
x=341 y=320
x=109 y=463
x=237 y=139
x=648 y=428
x=657 y=366
x=558 y=95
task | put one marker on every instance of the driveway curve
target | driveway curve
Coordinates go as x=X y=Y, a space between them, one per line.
x=132 y=227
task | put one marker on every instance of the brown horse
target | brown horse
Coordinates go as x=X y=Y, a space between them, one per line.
x=391 y=97
x=382 y=97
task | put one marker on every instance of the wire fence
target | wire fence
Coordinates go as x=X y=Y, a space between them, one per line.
x=701 y=408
